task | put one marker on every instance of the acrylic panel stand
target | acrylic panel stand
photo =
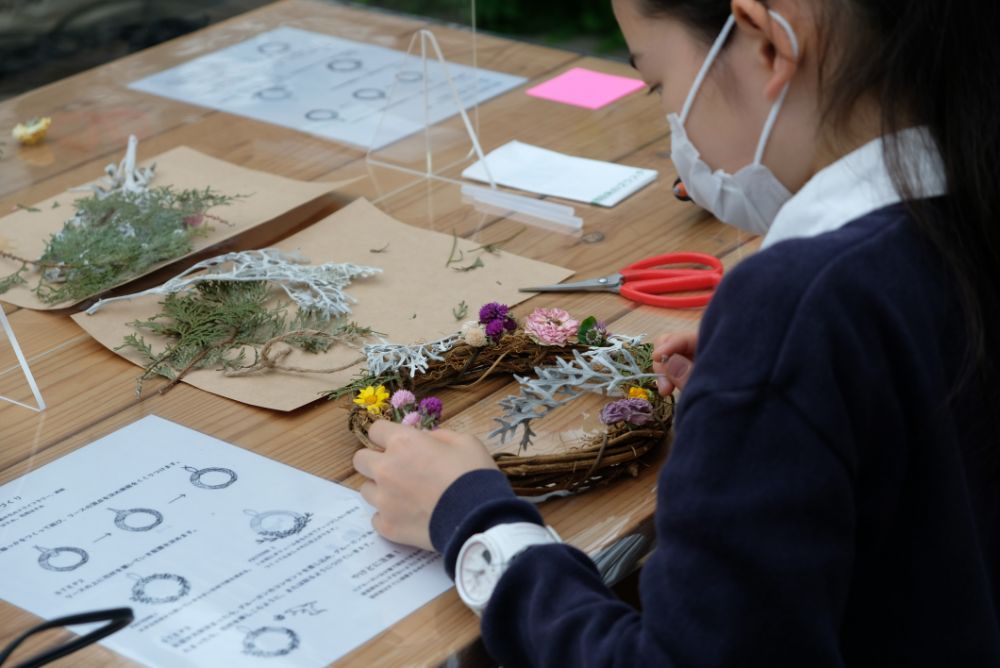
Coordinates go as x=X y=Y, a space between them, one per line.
x=439 y=152
x=8 y=332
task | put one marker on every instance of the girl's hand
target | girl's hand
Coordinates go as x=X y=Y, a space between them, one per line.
x=408 y=478
x=673 y=360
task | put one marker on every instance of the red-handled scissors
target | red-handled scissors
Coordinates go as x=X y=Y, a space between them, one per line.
x=652 y=282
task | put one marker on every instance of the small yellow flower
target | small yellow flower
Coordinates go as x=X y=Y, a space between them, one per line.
x=640 y=393
x=373 y=399
x=32 y=132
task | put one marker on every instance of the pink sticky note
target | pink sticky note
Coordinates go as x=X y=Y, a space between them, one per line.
x=586 y=88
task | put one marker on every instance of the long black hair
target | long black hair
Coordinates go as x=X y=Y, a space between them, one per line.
x=934 y=63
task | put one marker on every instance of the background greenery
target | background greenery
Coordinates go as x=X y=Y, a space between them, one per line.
x=589 y=24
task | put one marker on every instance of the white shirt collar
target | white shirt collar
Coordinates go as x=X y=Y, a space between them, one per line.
x=856 y=185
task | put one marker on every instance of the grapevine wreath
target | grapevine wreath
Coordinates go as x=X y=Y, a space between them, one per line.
x=554 y=359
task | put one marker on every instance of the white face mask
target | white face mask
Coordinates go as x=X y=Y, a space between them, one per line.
x=751 y=198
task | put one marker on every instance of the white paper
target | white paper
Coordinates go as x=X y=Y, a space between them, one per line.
x=327 y=86
x=300 y=583
x=538 y=170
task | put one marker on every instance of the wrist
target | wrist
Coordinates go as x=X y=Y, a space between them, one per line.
x=472 y=504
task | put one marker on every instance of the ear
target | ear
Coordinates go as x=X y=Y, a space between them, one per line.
x=775 y=47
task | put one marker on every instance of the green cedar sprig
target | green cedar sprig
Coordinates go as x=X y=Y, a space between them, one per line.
x=219 y=323
x=117 y=237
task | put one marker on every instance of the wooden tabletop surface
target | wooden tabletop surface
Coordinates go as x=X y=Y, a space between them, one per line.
x=90 y=390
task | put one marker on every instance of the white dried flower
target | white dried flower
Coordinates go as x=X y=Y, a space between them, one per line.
x=474 y=334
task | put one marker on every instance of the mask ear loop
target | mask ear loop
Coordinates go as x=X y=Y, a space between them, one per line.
x=720 y=41
x=772 y=117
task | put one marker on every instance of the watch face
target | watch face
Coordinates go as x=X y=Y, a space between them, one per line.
x=478 y=572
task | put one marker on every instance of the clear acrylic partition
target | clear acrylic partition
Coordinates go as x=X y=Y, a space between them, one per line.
x=428 y=106
x=17 y=383
x=429 y=122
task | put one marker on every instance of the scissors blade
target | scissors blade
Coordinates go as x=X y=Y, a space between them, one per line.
x=604 y=284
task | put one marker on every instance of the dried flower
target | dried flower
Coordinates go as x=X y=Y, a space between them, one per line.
x=431 y=407
x=195 y=220
x=32 y=132
x=640 y=393
x=636 y=412
x=592 y=333
x=551 y=326
x=373 y=399
x=402 y=398
x=494 y=329
x=496 y=319
x=412 y=419
x=493 y=311
x=474 y=334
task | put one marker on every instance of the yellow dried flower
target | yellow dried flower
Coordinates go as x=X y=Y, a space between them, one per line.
x=373 y=399
x=640 y=393
x=32 y=132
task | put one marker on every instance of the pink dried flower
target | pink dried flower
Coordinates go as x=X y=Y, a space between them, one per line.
x=551 y=326
x=402 y=398
x=195 y=220
x=412 y=419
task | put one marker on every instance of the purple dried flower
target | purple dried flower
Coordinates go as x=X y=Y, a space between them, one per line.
x=494 y=329
x=492 y=311
x=402 y=398
x=496 y=320
x=412 y=419
x=432 y=407
x=636 y=412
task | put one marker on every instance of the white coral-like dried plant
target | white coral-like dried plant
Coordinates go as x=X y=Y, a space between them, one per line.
x=604 y=370
x=125 y=176
x=389 y=358
x=318 y=289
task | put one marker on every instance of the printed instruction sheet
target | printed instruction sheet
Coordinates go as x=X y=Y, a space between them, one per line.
x=327 y=86
x=227 y=558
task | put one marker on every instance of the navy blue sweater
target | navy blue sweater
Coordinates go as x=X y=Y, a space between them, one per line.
x=824 y=503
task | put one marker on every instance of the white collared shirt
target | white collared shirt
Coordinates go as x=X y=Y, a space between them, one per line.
x=856 y=185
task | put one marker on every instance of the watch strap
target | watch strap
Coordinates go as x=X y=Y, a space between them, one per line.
x=507 y=541
x=514 y=538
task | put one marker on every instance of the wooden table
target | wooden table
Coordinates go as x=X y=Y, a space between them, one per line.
x=90 y=390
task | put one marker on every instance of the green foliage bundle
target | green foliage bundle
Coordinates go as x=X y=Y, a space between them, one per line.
x=218 y=323
x=115 y=237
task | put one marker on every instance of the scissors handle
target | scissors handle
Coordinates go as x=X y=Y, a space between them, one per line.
x=634 y=272
x=657 y=292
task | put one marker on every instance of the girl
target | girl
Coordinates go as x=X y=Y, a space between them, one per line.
x=832 y=496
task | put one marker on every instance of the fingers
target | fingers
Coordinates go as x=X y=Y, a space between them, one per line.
x=673 y=356
x=382 y=432
x=684 y=343
x=368 y=492
x=448 y=436
x=679 y=370
x=364 y=462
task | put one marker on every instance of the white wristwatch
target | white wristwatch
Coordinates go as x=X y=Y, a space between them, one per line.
x=485 y=556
